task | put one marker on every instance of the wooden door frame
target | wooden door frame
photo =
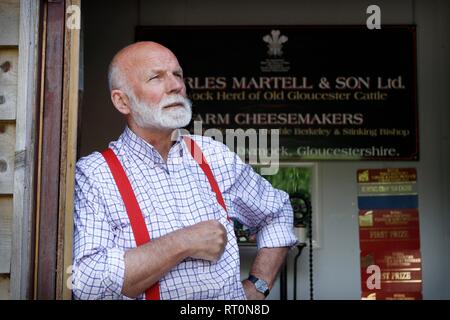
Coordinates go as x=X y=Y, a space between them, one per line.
x=69 y=135
x=49 y=147
x=56 y=151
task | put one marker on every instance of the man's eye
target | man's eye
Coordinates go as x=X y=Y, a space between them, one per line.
x=153 y=78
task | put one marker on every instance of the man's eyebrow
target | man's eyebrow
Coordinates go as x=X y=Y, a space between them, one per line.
x=156 y=71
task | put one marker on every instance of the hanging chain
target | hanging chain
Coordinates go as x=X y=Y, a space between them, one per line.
x=310 y=236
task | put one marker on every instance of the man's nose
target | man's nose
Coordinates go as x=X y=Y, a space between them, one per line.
x=174 y=84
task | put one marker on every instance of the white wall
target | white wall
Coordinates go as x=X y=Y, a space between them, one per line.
x=109 y=25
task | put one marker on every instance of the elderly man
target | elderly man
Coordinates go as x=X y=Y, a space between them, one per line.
x=153 y=219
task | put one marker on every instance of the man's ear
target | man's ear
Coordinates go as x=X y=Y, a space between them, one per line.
x=121 y=101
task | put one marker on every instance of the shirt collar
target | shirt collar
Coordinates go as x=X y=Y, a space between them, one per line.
x=147 y=152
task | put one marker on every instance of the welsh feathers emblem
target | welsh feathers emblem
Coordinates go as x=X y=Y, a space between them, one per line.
x=275 y=43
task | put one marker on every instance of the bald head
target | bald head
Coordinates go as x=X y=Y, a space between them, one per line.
x=147 y=86
x=126 y=63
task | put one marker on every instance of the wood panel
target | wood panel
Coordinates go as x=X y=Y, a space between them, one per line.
x=23 y=224
x=8 y=83
x=9 y=22
x=4 y=287
x=6 y=209
x=8 y=66
x=7 y=141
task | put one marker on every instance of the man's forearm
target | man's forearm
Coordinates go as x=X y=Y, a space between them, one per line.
x=267 y=263
x=146 y=264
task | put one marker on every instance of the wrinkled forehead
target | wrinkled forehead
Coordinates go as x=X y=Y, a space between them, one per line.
x=153 y=60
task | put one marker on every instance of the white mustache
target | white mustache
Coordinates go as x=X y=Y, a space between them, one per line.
x=173 y=100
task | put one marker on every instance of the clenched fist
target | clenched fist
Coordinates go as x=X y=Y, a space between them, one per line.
x=205 y=240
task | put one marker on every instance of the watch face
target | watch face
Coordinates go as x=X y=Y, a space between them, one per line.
x=261 y=286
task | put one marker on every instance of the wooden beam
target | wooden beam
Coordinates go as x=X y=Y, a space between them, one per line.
x=22 y=256
x=51 y=151
x=68 y=157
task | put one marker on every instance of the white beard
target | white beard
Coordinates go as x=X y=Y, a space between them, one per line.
x=156 y=117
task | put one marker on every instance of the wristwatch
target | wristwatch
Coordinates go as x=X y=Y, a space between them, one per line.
x=260 y=285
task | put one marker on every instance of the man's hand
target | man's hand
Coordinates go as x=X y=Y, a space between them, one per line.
x=146 y=264
x=206 y=240
x=251 y=292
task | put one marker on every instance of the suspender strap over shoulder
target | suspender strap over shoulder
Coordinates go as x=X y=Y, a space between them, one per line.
x=140 y=231
x=199 y=157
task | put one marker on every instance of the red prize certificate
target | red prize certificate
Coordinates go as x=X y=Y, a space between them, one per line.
x=389 y=229
x=391 y=271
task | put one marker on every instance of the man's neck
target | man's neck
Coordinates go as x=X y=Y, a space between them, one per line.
x=161 y=140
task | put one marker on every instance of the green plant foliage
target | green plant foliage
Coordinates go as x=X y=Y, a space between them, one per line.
x=293 y=180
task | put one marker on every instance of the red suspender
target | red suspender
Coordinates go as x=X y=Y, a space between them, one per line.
x=198 y=156
x=140 y=231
